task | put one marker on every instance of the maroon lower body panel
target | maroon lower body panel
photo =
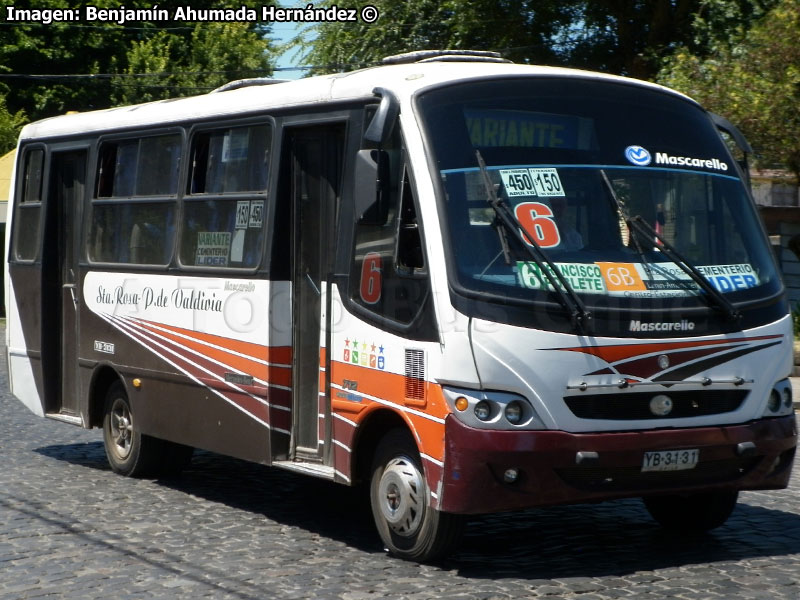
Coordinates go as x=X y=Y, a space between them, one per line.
x=755 y=455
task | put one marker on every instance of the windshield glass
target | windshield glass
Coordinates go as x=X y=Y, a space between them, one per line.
x=573 y=160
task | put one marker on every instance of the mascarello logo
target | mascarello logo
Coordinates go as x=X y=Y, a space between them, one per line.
x=638 y=155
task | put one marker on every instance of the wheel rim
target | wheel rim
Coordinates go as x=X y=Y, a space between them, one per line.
x=401 y=496
x=121 y=428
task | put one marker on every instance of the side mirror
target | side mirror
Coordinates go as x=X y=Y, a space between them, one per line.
x=371 y=189
x=380 y=128
x=741 y=142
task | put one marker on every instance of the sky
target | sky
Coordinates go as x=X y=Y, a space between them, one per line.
x=283 y=32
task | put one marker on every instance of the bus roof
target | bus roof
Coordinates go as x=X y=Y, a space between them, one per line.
x=403 y=79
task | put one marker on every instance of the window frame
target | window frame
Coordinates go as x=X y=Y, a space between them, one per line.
x=266 y=194
x=179 y=132
x=422 y=325
x=19 y=203
x=133 y=200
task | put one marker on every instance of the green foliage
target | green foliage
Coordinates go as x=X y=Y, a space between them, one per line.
x=753 y=78
x=796 y=321
x=718 y=21
x=10 y=126
x=216 y=53
x=627 y=38
x=523 y=29
x=100 y=52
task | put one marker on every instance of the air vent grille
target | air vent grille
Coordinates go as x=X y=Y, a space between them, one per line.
x=415 y=374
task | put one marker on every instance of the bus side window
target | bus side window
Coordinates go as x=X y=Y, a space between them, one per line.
x=219 y=229
x=410 y=258
x=388 y=251
x=26 y=221
x=133 y=210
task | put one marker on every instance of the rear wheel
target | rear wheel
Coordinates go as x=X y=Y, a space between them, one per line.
x=129 y=452
x=692 y=512
x=400 y=502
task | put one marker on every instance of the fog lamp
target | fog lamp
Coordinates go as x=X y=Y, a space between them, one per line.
x=511 y=475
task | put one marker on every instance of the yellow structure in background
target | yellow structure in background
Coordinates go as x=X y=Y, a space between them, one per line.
x=6 y=169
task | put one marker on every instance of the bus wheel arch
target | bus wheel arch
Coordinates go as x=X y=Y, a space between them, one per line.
x=387 y=458
x=102 y=380
x=133 y=453
x=400 y=499
x=369 y=434
x=129 y=451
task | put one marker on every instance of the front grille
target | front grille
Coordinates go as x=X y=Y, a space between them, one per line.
x=617 y=479
x=636 y=405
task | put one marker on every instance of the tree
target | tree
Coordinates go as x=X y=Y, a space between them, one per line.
x=217 y=53
x=754 y=80
x=523 y=30
x=48 y=69
x=10 y=126
x=631 y=37
x=626 y=37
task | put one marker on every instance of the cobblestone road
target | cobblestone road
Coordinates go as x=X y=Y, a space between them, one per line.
x=70 y=528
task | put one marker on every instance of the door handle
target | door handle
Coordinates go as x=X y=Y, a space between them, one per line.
x=74 y=296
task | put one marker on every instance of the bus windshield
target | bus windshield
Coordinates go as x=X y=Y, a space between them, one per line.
x=575 y=162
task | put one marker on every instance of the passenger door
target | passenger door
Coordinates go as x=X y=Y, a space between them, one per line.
x=60 y=289
x=316 y=155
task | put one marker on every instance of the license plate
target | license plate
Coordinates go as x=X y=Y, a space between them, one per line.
x=670 y=460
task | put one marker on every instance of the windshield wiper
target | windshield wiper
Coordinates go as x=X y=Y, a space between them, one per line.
x=637 y=224
x=619 y=206
x=713 y=296
x=579 y=315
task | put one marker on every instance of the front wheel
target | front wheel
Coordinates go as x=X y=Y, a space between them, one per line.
x=692 y=512
x=400 y=501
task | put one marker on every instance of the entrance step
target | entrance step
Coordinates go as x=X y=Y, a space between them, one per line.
x=66 y=418
x=307 y=468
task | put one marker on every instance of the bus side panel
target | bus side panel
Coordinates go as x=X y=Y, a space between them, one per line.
x=24 y=336
x=202 y=349
x=371 y=372
x=185 y=413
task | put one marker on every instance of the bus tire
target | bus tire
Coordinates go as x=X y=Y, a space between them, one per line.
x=400 y=502
x=128 y=451
x=693 y=512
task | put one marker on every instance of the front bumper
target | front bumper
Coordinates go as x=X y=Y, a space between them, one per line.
x=752 y=456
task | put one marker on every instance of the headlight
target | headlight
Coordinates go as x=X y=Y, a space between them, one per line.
x=513 y=412
x=492 y=410
x=483 y=410
x=774 y=402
